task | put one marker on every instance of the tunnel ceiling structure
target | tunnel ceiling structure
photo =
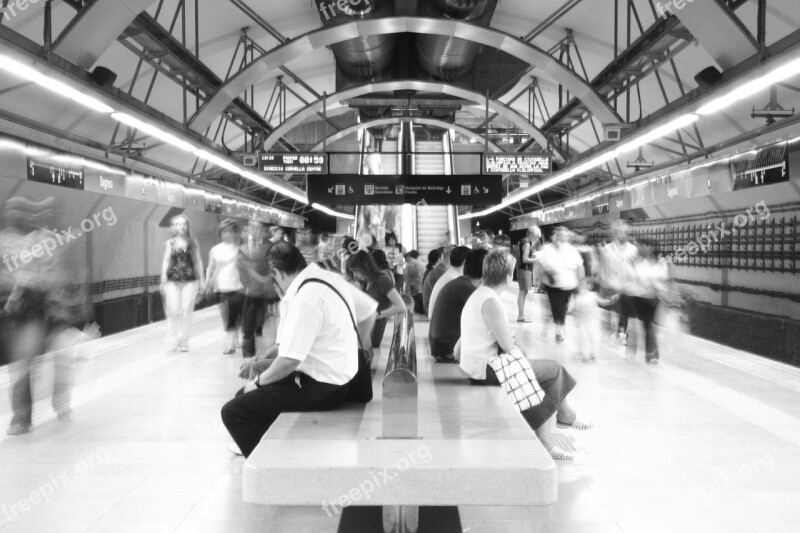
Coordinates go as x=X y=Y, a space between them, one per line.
x=550 y=74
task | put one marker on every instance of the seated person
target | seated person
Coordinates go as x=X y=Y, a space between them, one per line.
x=456 y=269
x=485 y=332
x=445 y=327
x=317 y=349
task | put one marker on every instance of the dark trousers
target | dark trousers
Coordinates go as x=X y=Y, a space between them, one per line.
x=254 y=313
x=377 y=332
x=418 y=306
x=624 y=309
x=249 y=415
x=645 y=310
x=559 y=301
x=231 y=308
x=399 y=279
x=554 y=380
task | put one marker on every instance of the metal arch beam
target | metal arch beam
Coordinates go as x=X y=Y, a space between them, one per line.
x=397 y=120
x=269 y=64
x=95 y=28
x=336 y=100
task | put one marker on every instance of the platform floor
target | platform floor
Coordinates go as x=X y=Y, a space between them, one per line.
x=707 y=441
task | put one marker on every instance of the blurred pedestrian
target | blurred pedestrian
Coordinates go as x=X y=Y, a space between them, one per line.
x=529 y=247
x=182 y=280
x=563 y=268
x=222 y=280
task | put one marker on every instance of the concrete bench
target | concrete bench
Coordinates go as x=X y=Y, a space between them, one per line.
x=472 y=448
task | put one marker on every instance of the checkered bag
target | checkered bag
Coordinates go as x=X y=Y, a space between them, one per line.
x=517 y=378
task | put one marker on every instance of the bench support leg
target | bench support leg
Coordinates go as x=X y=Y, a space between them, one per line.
x=400 y=518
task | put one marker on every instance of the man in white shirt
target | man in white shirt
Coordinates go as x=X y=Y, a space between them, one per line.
x=317 y=348
x=618 y=257
x=455 y=270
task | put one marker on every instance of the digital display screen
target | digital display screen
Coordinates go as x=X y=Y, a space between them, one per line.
x=530 y=164
x=56 y=168
x=294 y=163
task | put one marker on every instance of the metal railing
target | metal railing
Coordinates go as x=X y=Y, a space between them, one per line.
x=400 y=385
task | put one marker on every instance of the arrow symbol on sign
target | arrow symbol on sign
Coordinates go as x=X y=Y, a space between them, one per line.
x=330 y=190
x=448 y=190
x=486 y=190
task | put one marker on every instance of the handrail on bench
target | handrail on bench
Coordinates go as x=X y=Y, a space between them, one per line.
x=400 y=381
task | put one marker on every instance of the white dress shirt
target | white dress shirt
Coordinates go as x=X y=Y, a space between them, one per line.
x=316 y=328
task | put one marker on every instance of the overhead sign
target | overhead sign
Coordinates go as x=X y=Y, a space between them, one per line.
x=46 y=165
x=355 y=189
x=530 y=164
x=294 y=163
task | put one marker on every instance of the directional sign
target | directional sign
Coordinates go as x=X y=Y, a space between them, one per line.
x=294 y=163
x=530 y=164
x=354 y=189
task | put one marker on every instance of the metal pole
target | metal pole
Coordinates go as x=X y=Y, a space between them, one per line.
x=486 y=135
x=325 y=122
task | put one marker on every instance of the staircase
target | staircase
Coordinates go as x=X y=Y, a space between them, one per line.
x=426 y=162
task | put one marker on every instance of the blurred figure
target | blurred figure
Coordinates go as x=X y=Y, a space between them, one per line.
x=414 y=270
x=616 y=271
x=41 y=304
x=446 y=240
x=372 y=162
x=485 y=239
x=181 y=282
x=306 y=242
x=529 y=247
x=438 y=270
x=260 y=292
x=563 y=268
x=648 y=285
x=277 y=234
x=222 y=278
x=361 y=269
x=588 y=317
x=395 y=256
x=324 y=249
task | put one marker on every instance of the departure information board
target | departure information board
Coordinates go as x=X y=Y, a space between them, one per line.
x=294 y=163
x=530 y=164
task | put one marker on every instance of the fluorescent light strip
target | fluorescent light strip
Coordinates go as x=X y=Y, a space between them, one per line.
x=25 y=72
x=218 y=161
x=741 y=92
x=331 y=212
x=153 y=131
x=255 y=178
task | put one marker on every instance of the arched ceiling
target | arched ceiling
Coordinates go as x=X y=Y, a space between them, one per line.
x=601 y=45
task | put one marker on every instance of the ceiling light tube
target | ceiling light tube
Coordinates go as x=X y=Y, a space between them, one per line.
x=332 y=212
x=25 y=72
x=153 y=131
x=218 y=161
x=750 y=88
x=255 y=178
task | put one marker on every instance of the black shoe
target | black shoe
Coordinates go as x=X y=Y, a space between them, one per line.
x=559 y=338
x=18 y=428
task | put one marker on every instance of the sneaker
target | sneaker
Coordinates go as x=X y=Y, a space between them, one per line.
x=18 y=428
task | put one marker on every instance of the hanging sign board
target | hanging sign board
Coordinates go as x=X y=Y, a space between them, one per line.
x=526 y=164
x=294 y=163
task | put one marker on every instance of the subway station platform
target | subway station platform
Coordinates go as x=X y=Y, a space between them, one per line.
x=705 y=441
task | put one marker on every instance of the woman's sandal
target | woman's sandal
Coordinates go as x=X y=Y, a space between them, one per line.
x=578 y=424
x=560 y=455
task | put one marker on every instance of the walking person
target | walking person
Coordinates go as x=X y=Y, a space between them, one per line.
x=317 y=349
x=222 y=278
x=563 y=266
x=181 y=281
x=413 y=273
x=395 y=256
x=258 y=284
x=648 y=284
x=529 y=247
x=616 y=271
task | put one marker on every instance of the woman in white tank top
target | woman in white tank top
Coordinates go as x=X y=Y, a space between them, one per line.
x=485 y=332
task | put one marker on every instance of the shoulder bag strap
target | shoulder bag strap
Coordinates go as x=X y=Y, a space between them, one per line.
x=331 y=287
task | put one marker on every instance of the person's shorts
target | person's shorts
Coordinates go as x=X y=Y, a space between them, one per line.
x=525 y=279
